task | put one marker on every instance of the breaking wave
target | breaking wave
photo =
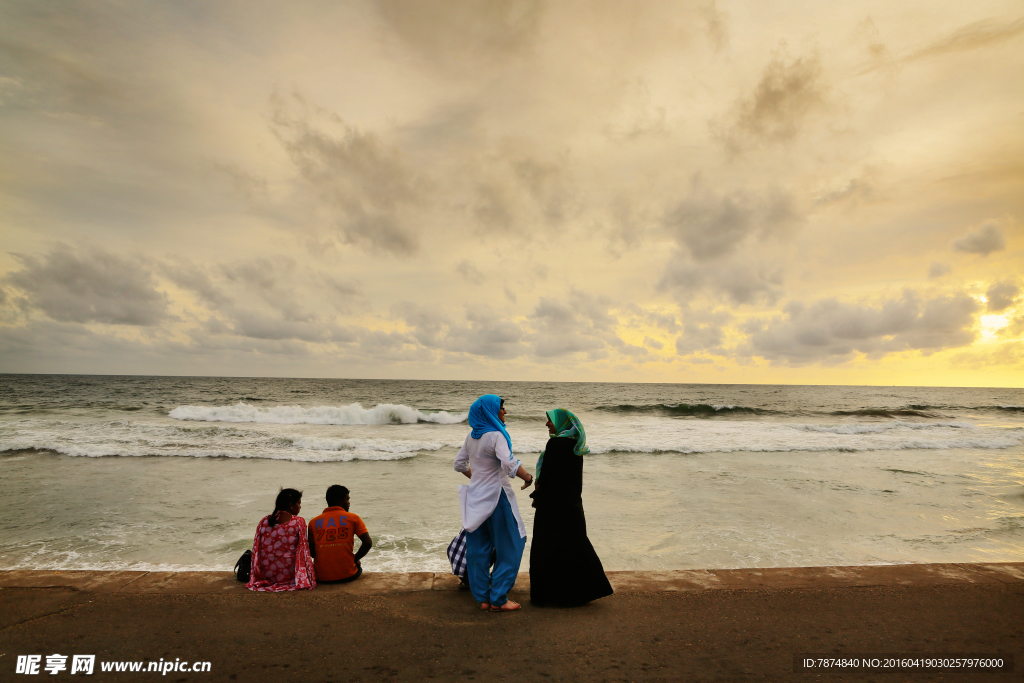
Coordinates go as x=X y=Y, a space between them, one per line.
x=878 y=428
x=685 y=409
x=353 y=414
x=886 y=412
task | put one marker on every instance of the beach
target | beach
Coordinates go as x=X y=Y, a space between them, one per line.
x=697 y=625
x=742 y=527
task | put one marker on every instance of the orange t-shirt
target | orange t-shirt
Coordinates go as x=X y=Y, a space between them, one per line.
x=332 y=533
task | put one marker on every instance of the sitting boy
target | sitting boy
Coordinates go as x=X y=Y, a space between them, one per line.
x=331 y=536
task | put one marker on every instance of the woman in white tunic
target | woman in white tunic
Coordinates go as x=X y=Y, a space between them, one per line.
x=490 y=514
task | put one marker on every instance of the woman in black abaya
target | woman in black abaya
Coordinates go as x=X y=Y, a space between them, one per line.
x=564 y=569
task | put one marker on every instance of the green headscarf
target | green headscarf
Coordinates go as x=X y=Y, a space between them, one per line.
x=569 y=426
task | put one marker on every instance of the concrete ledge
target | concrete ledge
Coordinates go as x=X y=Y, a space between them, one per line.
x=189 y=583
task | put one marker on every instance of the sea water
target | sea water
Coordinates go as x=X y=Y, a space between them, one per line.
x=175 y=472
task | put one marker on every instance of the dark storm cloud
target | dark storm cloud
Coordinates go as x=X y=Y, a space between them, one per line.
x=82 y=286
x=788 y=92
x=364 y=184
x=830 y=330
x=986 y=239
x=1001 y=295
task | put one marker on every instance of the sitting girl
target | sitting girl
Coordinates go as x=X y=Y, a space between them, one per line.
x=280 y=553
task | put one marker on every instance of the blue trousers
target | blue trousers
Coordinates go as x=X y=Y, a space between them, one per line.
x=499 y=533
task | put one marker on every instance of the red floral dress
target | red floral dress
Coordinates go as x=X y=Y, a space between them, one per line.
x=280 y=558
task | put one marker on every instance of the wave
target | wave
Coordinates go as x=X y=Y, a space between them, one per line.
x=685 y=409
x=340 y=453
x=920 y=410
x=884 y=412
x=878 y=428
x=353 y=414
x=910 y=445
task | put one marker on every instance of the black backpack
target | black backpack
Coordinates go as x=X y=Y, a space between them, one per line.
x=244 y=567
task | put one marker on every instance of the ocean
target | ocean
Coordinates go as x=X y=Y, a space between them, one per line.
x=173 y=473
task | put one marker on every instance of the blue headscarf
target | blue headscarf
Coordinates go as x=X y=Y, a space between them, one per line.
x=483 y=417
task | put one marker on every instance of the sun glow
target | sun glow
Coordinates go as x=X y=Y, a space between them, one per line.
x=989 y=325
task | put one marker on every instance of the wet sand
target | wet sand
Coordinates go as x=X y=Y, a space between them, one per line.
x=704 y=625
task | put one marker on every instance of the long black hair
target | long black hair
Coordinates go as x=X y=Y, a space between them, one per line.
x=285 y=500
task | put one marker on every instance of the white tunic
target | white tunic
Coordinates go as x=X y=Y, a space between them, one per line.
x=493 y=465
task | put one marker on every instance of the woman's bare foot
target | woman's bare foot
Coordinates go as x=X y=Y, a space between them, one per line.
x=510 y=606
x=485 y=606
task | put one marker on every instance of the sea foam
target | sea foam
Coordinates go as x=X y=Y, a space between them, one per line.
x=352 y=414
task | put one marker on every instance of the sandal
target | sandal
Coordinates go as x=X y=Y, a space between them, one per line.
x=509 y=606
x=485 y=606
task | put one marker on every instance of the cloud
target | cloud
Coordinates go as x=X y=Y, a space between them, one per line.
x=855 y=189
x=656 y=318
x=830 y=330
x=70 y=285
x=1001 y=295
x=741 y=281
x=365 y=185
x=986 y=239
x=788 y=92
x=269 y=299
x=487 y=334
x=711 y=225
x=195 y=279
x=1014 y=328
x=717 y=26
x=514 y=195
x=459 y=34
x=937 y=269
x=259 y=325
x=701 y=332
x=470 y=273
x=653 y=343
x=971 y=37
x=578 y=323
x=484 y=332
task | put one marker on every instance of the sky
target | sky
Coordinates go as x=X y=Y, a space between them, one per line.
x=770 y=191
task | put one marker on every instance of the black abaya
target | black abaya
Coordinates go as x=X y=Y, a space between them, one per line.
x=564 y=569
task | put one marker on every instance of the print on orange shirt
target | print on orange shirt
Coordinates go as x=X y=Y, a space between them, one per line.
x=333 y=533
